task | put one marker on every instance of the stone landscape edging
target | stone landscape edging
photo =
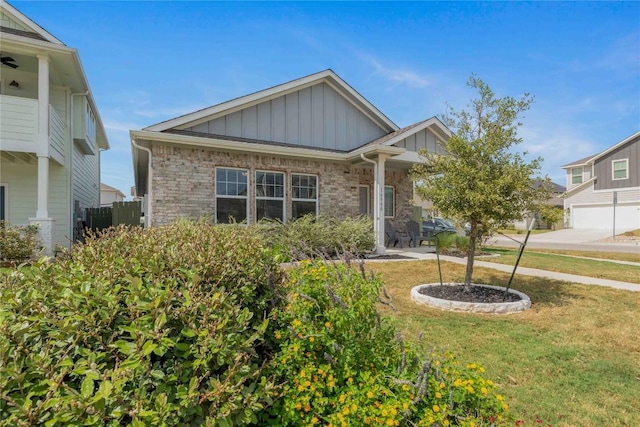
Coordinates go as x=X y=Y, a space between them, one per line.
x=472 y=307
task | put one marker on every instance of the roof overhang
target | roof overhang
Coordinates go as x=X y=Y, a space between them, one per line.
x=145 y=138
x=66 y=62
x=326 y=76
x=580 y=187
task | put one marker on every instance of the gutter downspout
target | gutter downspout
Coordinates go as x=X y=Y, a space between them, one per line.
x=378 y=225
x=148 y=210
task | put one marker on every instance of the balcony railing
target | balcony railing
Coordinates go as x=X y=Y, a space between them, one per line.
x=19 y=124
x=19 y=127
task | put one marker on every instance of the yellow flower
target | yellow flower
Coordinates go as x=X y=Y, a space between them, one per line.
x=370 y=394
x=505 y=406
x=457 y=382
x=441 y=385
x=436 y=408
x=445 y=422
x=354 y=407
x=390 y=422
x=394 y=411
x=311 y=339
x=345 y=411
x=298 y=405
x=438 y=395
x=342 y=398
x=470 y=389
x=327 y=324
x=499 y=397
x=302 y=374
x=278 y=335
x=484 y=390
x=472 y=424
x=489 y=382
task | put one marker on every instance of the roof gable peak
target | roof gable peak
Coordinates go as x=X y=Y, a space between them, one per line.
x=327 y=76
x=24 y=24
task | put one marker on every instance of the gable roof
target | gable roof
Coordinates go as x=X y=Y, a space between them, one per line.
x=23 y=26
x=589 y=160
x=433 y=123
x=23 y=36
x=327 y=76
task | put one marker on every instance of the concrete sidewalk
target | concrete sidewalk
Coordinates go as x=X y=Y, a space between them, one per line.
x=428 y=253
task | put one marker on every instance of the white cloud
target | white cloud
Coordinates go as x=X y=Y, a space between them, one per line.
x=396 y=75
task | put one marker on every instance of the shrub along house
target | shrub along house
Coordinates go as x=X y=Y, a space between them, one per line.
x=51 y=134
x=312 y=145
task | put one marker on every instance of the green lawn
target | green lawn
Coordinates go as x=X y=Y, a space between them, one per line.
x=568 y=264
x=573 y=359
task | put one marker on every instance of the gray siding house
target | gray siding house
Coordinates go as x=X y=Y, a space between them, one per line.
x=593 y=183
x=312 y=145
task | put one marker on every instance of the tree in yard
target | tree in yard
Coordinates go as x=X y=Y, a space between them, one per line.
x=481 y=180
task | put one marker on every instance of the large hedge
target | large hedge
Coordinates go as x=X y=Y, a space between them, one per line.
x=140 y=327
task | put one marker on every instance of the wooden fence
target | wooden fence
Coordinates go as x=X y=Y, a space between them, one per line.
x=128 y=213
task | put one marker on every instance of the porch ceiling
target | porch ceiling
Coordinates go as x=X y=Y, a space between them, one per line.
x=17 y=157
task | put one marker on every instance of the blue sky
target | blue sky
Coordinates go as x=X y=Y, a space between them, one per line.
x=151 y=61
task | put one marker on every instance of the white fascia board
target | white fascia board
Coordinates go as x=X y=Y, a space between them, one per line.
x=610 y=149
x=247 y=147
x=579 y=187
x=27 y=22
x=432 y=122
x=246 y=101
x=36 y=46
x=375 y=149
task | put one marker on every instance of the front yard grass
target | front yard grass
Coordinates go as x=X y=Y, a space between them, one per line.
x=569 y=264
x=573 y=358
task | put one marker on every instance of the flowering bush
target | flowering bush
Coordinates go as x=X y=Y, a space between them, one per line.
x=341 y=364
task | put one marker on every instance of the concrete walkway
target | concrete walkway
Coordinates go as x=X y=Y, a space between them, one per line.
x=428 y=253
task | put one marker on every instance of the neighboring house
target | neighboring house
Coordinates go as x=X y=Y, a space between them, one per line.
x=312 y=145
x=593 y=183
x=108 y=195
x=556 y=201
x=50 y=131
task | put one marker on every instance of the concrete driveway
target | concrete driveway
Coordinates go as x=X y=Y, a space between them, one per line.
x=569 y=239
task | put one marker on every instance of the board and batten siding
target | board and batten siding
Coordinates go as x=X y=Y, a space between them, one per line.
x=603 y=167
x=316 y=116
x=6 y=21
x=423 y=139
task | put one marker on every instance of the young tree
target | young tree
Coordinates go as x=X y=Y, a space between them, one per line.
x=482 y=181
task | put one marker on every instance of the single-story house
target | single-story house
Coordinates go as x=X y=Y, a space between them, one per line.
x=51 y=134
x=603 y=190
x=312 y=145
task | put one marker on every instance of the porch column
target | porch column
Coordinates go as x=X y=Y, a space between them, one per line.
x=45 y=224
x=378 y=201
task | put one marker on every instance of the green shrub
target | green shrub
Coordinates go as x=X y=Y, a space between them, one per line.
x=137 y=327
x=310 y=236
x=17 y=242
x=341 y=364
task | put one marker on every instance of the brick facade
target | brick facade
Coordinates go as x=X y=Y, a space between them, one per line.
x=184 y=183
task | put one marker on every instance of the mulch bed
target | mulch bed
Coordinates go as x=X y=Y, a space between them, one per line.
x=386 y=257
x=477 y=294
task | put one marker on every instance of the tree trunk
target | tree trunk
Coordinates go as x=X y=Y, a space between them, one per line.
x=470 y=258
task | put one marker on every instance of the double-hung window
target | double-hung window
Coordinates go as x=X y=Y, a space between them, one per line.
x=269 y=195
x=389 y=202
x=620 y=169
x=304 y=197
x=576 y=176
x=231 y=195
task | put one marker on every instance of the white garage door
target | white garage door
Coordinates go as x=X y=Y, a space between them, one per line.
x=601 y=217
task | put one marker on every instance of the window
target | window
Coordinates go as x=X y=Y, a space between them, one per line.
x=389 y=202
x=269 y=195
x=363 y=200
x=3 y=202
x=576 y=176
x=231 y=195
x=304 y=195
x=620 y=169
